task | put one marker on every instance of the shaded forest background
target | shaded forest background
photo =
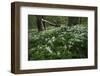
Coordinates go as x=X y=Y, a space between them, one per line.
x=41 y=23
x=57 y=37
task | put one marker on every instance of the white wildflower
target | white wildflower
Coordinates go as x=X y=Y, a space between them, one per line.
x=63 y=38
x=48 y=49
x=50 y=41
x=53 y=38
x=65 y=46
x=58 y=53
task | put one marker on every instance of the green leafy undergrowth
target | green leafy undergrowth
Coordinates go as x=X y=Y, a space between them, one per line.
x=58 y=43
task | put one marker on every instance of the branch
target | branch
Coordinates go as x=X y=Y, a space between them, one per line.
x=48 y=22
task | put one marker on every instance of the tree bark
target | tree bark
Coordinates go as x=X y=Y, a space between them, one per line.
x=40 y=23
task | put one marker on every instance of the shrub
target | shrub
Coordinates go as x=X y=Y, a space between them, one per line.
x=58 y=43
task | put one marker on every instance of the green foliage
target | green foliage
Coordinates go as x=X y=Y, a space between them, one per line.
x=32 y=21
x=84 y=21
x=58 y=43
x=57 y=19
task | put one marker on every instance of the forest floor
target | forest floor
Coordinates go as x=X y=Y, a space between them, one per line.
x=58 y=43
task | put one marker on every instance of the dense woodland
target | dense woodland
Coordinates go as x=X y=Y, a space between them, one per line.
x=57 y=37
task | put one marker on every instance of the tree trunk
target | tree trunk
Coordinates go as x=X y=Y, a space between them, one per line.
x=40 y=23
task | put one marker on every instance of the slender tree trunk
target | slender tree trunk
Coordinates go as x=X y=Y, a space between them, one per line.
x=44 y=26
